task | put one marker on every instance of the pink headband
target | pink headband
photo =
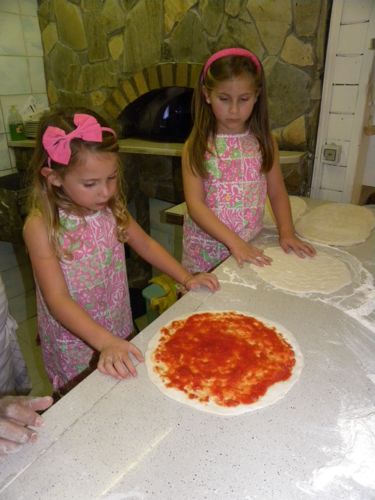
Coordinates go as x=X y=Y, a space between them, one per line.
x=56 y=141
x=231 y=52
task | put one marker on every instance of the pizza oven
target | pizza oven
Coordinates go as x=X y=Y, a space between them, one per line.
x=162 y=114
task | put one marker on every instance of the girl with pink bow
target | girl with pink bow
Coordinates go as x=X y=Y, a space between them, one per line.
x=75 y=234
x=230 y=162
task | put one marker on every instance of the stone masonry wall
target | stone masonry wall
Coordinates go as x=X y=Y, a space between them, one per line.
x=103 y=54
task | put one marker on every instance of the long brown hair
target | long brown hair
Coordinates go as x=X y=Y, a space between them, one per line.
x=46 y=199
x=205 y=127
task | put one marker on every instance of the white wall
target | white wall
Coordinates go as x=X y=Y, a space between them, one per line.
x=344 y=102
x=21 y=66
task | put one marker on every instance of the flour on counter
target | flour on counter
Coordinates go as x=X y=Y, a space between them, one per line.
x=235 y=278
x=357 y=299
x=353 y=470
x=359 y=302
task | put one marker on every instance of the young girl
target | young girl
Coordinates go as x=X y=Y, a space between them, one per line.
x=75 y=232
x=229 y=164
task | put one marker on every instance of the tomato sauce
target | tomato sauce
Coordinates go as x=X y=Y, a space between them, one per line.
x=227 y=358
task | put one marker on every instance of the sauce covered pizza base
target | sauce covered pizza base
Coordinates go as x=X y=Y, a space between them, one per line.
x=224 y=362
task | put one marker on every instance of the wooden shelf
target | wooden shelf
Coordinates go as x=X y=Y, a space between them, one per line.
x=137 y=146
x=24 y=143
x=369 y=130
x=142 y=146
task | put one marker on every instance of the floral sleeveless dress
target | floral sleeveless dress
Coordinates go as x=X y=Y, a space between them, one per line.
x=235 y=190
x=95 y=274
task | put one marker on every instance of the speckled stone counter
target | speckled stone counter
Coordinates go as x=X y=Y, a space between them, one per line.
x=126 y=440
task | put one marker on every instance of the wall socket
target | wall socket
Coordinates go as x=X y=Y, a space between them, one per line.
x=331 y=153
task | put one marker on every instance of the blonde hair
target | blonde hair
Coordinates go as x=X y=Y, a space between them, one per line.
x=205 y=126
x=46 y=199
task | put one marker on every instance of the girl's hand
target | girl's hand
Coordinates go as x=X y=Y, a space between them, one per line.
x=299 y=247
x=202 y=279
x=114 y=359
x=244 y=252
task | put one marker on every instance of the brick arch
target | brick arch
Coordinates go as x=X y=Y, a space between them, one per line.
x=157 y=76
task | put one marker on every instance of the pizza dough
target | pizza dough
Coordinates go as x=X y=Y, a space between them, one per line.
x=341 y=224
x=298 y=207
x=224 y=362
x=322 y=273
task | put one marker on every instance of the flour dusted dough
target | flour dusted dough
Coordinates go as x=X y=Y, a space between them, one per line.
x=298 y=207
x=321 y=273
x=273 y=394
x=341 y=224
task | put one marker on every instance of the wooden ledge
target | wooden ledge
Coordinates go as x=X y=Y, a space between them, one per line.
x=369 y=130
x=146 y=147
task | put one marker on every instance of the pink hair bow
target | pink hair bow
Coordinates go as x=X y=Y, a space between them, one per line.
x=57 y=142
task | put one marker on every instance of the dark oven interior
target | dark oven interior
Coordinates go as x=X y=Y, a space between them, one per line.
x=162 y=114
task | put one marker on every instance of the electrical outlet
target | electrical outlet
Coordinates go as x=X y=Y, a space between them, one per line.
x=331 y=153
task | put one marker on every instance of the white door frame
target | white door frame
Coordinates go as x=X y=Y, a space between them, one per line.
x=350 y=192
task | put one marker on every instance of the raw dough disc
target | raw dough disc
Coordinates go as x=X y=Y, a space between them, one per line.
x=341 y=224
x=202 y=341
x=298 y=207
x=320 y=274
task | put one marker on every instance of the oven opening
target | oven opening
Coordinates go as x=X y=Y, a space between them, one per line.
x=162 y=115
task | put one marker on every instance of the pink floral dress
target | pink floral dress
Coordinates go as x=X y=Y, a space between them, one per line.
x=95 y=274
x=235 y=191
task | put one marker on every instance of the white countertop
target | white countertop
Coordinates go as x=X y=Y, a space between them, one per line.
x=126 y=440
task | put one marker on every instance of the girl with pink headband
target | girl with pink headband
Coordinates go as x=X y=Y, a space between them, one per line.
x=75 y=235
x=230 y=162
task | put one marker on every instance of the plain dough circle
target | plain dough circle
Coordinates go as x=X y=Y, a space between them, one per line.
x=273 y=394
x=341 y=224
x=322 y=273
x=298 y=207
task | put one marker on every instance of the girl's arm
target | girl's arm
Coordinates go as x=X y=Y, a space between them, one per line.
x=151 y=251
x=279 y=199
x=48 y=273
x=241 y=250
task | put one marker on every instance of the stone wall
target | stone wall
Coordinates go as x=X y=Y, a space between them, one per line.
x=103 y=54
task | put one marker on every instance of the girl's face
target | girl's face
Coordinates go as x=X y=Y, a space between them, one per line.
x=92 y=182
x=232 y=102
